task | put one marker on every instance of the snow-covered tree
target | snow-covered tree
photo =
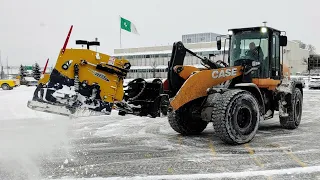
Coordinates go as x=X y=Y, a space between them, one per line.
x=36 y=71
x=22 y=71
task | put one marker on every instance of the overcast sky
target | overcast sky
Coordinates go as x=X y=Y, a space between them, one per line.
x=34 y=30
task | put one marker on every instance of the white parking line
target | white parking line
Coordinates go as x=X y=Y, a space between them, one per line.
x=291 y=171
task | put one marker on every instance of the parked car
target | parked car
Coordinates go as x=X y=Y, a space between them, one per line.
x=314 y=82
x=297 y=78
x=8 y=84
x=30 y=81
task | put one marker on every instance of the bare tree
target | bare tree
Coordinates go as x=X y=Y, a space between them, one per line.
x=154 y=68
x=2 y=73
x=311 y=49
x=302 y=45
x=304 y=61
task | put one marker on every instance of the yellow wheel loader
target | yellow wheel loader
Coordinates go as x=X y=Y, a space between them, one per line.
x=237 y=94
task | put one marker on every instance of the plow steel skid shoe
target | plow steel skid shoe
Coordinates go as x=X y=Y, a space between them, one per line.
x=82 y=83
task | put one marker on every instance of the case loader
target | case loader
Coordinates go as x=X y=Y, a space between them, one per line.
x=238 y=94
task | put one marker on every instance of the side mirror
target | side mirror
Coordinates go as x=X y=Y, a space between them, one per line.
x=283 y=40
x=219 y=44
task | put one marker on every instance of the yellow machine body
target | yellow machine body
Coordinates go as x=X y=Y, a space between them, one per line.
x=44 y=78
x=111 y=85
x=83 y=82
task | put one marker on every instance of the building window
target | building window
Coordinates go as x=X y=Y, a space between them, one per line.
x=189 y=40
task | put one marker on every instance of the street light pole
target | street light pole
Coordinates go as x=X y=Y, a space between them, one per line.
x=7 y=68
x=1 y=77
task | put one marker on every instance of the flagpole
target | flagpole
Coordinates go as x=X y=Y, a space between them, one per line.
x=120 y=38
x=120 y=32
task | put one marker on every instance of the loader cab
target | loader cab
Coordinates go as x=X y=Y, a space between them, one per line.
x=256 y=44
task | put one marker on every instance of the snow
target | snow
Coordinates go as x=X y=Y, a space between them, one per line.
x=29 y=79
x=27 y=136
x=141 y=67
x=161 y=67
x=298 y=170
x=10 y=102
x=70 y=92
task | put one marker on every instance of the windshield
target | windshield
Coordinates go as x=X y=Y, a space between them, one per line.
x=245 y=45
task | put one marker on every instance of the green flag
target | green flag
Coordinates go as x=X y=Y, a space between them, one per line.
x=128 y=26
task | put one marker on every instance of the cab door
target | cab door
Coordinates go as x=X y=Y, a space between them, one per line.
x=275 y=57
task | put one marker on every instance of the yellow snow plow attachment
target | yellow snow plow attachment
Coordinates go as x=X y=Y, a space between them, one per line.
x=82 y=83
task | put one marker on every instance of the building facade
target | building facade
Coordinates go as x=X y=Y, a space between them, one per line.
x=199 y=37
x=314 y=62
x=152 y=62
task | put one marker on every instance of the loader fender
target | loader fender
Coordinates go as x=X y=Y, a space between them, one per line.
x=284 y=94
x=196 y=85
x=254 y=89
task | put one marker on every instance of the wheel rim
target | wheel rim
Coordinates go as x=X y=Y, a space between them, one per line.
x=194 y=112
x=243 y=119
x=5 y=87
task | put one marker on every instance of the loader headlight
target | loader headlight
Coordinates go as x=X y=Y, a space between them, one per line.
x=230 y=32
x=263 y=29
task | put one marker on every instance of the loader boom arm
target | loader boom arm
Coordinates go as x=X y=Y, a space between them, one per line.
x=177 y=59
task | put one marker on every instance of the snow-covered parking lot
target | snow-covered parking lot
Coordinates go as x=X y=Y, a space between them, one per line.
x=36 y=145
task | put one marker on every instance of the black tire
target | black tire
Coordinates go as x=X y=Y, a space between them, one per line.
x=155 y=114
x=5 y=86
x=121 y=113
x=184 y=123
x=164 y=104
x=236 y=117
x=294 y=111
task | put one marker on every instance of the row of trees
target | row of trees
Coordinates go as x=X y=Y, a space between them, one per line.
x=311 y=48
x=36 y=73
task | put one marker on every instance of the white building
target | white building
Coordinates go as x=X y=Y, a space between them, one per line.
x=151 y=62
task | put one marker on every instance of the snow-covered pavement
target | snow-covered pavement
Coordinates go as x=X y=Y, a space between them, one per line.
x=36 y=145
